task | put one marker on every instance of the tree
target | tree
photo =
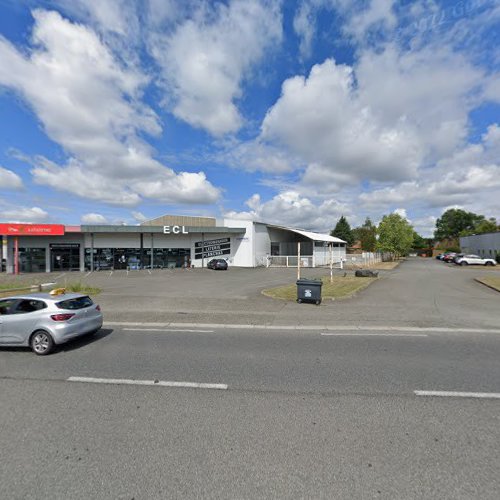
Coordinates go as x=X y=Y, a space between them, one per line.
x=366 y=235
x=343 y=231
x=419 y=242
x=395 y=235
x=483 y=226
x=454 y=221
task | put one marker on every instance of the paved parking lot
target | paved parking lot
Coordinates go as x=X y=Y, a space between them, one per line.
x=420 y=292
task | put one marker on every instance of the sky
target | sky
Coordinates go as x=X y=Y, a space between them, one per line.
x=282 y=111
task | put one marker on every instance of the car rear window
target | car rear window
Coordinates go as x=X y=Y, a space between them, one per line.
x=77 y=303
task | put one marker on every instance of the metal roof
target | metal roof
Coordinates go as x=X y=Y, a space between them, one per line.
x=311 y=235
x=159 y=229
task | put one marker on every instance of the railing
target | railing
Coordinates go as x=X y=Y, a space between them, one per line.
x=365 y=259
x=290 y=261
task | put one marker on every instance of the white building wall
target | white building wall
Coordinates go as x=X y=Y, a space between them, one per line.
x=242 y=246
x=262 y=245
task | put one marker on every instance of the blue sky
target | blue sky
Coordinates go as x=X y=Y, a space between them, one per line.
x=291 y=112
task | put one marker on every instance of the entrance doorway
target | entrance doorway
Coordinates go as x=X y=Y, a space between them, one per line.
x=65 y=257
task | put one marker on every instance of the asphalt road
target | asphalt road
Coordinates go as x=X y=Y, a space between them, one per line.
x=304 y=415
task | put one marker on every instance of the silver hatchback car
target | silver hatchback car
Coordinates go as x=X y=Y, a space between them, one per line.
x=41 y=320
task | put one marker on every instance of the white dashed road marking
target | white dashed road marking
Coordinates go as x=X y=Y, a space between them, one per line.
x=165 y=330
x=158 y=383
x=374 y=335
x=454 y=394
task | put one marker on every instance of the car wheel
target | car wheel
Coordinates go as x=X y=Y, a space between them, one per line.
x=488 y=263
x=464 y=263
x=42 y=343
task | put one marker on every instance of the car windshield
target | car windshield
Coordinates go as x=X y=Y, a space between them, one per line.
x=75 y=303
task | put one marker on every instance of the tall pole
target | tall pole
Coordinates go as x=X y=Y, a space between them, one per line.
x=16 y=255
x=298 y=261
x=331 y=262
x=203 y=250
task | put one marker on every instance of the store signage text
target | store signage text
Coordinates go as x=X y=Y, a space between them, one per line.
x=175 y=230
x=212 y=248
x=31 y=229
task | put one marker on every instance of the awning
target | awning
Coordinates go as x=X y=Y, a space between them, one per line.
x=311 y=235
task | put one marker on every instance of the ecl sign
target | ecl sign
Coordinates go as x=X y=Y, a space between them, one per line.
x=175 y=230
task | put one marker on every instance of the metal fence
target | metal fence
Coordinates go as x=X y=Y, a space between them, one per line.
x=290 y=261
x=365 y=259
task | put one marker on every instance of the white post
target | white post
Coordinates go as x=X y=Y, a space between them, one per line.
x=331 y=262
x=298 y=261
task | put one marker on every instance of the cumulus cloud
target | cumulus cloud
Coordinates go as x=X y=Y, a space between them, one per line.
x=469 y=177
x=24 y=214
x=91 y=105
x=206 y=57
x=9 y=179
x=290 y=208
x=93 y=218
x=322 y=119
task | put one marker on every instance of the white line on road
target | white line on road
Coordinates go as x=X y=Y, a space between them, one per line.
x=374 y=335
x=90 y=272
x=165 y=330
x=110 y=273
x=159 y=383
x=326 y=328
x=454 y=394
x=60 y=276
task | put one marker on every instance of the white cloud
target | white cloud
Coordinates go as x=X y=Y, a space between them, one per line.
x=91 y=105
x=378 y=13
x=292 y=209
x=401 y=212
x=9 y=179
x=139 y=216
x=206 y=57
x=322 y=120
x=258 y=156
x=24 y=214
x=93 y=218
x=470 y=177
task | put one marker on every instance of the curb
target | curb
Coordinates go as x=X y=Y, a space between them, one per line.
x=486 y=284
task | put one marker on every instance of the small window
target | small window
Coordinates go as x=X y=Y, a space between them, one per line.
x=77 y=303
x=28 y=306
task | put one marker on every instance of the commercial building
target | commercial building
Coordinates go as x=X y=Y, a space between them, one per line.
x=484 y=245
x=165 y=242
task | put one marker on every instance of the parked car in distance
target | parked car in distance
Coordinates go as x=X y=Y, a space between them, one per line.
x=42 y=321
x=217 y=264
x=449 y=257
x=471 y=259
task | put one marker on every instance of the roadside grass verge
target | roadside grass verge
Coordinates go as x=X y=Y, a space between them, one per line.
x=491 y=281
x=341 y=287
x=18 y=288
x=377 y=266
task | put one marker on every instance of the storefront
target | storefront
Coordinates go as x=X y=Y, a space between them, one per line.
x=30 y=248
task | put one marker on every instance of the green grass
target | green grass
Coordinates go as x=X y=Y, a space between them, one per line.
x=341 y=287
x=491 y=281
x=79 y=287
x=23 y=287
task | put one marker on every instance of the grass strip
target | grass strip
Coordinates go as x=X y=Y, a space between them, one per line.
x=341 y=287
x=491 y=281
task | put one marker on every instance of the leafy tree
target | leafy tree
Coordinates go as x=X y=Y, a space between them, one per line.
x=366 y=235
x=454 y=221
x=395 y=235
x=343 y=231
x=419 y=242
x=483 y=226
